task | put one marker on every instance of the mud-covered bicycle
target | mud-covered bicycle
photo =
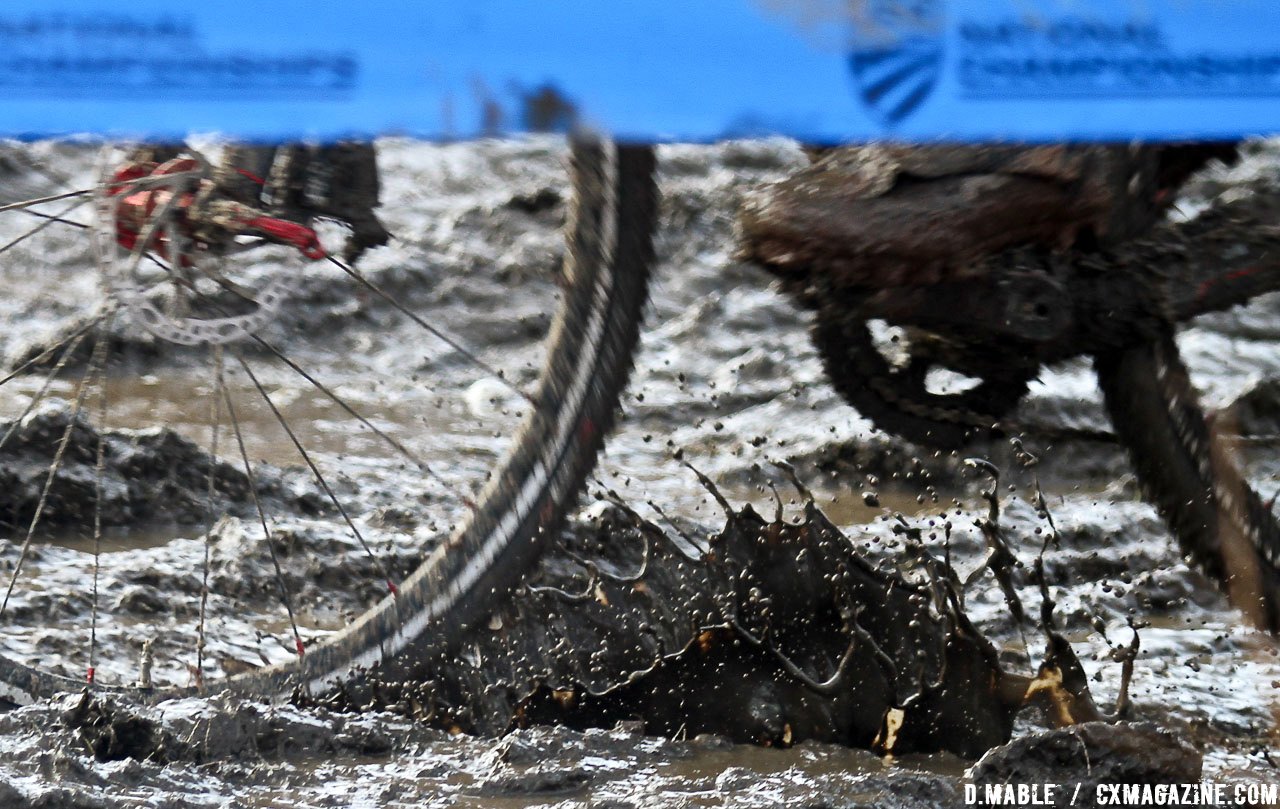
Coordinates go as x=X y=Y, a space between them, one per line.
x=991 y=295
x=1048 y=313
x=181 y=265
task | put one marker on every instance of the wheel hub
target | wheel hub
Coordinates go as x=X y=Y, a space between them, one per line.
x=162 y=232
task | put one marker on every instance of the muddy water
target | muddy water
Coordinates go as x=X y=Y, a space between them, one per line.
x=726 y=376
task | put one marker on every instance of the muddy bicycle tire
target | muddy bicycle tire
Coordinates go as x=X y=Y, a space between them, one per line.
x=895 y=401
x=1184 y=467
x=589 y=356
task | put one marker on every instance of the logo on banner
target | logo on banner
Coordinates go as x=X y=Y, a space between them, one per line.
x=897 y=54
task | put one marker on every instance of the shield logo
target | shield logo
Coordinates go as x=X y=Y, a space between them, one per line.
x=896 y=56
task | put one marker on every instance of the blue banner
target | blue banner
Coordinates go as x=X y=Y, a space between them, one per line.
x=656 y=70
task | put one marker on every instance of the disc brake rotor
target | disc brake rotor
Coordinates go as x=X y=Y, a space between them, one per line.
x=159 y=233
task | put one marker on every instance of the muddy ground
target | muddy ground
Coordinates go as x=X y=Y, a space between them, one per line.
x=726 y=377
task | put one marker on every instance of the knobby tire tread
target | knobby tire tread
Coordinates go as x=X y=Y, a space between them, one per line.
x=865 y=380
x=1186 y=469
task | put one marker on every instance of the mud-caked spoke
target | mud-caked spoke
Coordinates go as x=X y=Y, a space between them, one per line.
x=215 y=426
x=82 y=389
x=452 y=342
x=161 y=221
x=329 y=393
x=27 y=203
x=39 y=395
x=59 y=219
x=262 y=517
x=315 y=472
x=99 y=472
x=52 y=220
x=43 y=356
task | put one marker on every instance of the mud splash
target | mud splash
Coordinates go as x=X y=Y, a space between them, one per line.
x=767 y=631
x=727 y=377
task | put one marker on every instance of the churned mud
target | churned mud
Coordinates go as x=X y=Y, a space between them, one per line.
x=766 y=631
x=685 y=644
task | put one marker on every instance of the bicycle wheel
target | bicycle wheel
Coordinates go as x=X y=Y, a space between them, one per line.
x=428 y=458
x=1188 y=470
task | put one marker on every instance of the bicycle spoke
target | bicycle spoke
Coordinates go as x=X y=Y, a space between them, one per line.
x=42 y=225
x=58 y=219
x=99 y=349
x=48 y=352
x=27 y=203
x=404 y=451
x=151 y=180
x=159 y=220
x=470 y=355
x=215 y=411
x=340 y=402
x=262 y=517
x=44 y=389
x=99 y=469
x=315 y=471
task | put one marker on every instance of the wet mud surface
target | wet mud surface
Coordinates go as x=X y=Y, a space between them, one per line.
x=727 y=380
x=768 y=632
